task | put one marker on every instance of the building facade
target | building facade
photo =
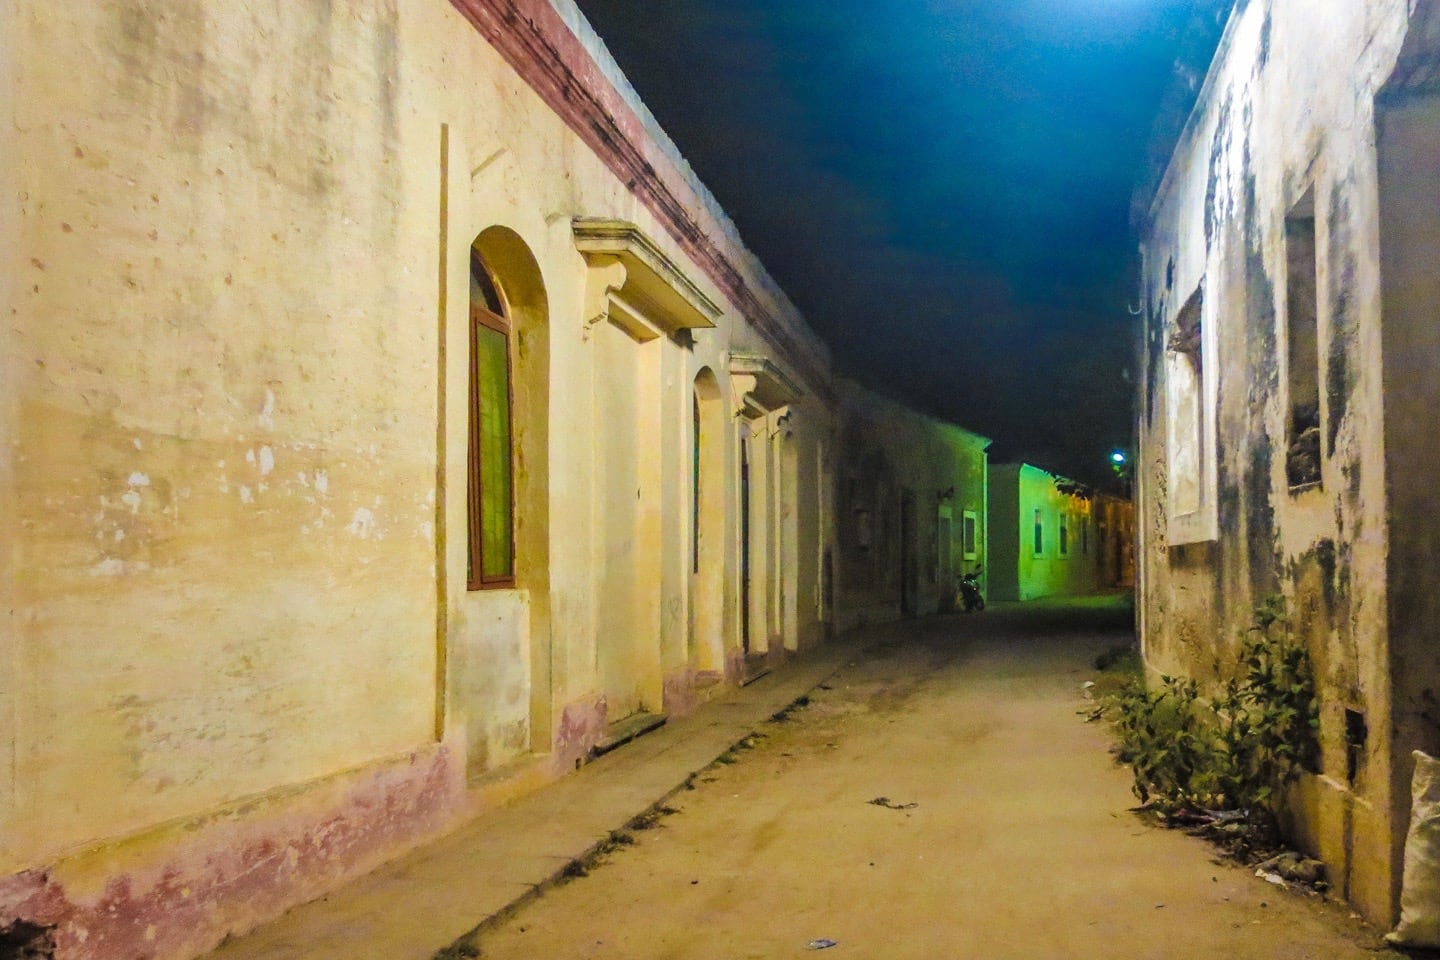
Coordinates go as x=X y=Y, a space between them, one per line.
x=910 y=510
x=388 y=416
x=1289 y=359
x=1051 y=537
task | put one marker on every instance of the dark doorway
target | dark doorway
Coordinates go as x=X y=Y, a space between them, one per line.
x=909 y=568
x=745 y=540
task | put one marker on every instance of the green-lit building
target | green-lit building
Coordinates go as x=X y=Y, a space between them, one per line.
x=1052 y=537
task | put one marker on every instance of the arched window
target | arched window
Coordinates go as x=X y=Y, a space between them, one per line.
x=491 y=500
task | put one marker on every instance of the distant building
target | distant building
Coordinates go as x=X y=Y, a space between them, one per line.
x=910 y=509
x=1114 y=521
x=1052 y=537
x=1289 y=397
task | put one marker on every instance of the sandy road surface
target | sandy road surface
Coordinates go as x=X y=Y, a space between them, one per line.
x=1019 y=843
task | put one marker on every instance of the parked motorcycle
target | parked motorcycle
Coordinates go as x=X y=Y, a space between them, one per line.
x=971 y=599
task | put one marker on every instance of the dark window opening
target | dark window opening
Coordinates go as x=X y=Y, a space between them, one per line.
x=1356 y=733
x=1302 y=458
x=1039 y=533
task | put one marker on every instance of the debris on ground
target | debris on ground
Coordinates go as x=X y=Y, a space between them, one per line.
x=650 y=819
x=820 y=944
x=1239 y=841
x=1274 y=878
x=1186 y=817
x=1295 y=868
x=889 y=804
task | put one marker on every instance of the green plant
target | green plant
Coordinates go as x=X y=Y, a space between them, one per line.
x=1237 y=747
x=1271 y=711
x=1166 y=740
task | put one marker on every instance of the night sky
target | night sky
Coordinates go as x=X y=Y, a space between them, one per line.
x=943 y=187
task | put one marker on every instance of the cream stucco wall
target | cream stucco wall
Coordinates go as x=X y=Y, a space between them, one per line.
x=9 y=368
x=241 y=662
x=224 y=420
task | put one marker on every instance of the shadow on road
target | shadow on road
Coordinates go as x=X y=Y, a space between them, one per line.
x=1105 y=613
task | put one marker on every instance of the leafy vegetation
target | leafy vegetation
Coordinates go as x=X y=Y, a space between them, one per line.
x=1234 y=747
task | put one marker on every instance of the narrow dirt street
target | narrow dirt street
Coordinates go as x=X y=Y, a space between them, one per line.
x=940 y=797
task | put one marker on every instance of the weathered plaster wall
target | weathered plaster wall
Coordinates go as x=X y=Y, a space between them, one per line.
x=9 y=521
x=890 y=454
x=1408 y=138
x=223 y=464
x=1288 y=108
x=1114 y=530
x=243 y=663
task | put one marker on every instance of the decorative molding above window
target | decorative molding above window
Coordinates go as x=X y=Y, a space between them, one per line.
x=759 y=386
x=634 y=285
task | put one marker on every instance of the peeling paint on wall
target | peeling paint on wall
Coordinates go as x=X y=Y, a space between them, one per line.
x=1277 y=118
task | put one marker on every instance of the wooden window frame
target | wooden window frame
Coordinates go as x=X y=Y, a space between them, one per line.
x=482 y=316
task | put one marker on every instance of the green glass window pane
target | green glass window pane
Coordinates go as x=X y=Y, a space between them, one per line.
x=493 y=379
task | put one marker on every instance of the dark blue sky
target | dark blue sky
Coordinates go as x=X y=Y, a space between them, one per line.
x=942 y=186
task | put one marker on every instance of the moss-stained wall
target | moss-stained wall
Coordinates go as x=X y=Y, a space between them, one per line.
x=1408 y=140
x=1284 y=130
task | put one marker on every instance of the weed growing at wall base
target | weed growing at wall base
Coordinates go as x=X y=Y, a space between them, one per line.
x=1233 y=748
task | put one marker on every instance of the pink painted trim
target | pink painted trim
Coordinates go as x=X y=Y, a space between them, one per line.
x=239 y=871
x=533 y=39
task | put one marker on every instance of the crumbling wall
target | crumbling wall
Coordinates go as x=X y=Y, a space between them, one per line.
x=1280 y=134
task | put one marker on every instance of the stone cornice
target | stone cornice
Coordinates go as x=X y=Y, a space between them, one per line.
x=532 y=38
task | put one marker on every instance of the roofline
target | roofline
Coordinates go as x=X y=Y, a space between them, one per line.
x=1202 y=99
